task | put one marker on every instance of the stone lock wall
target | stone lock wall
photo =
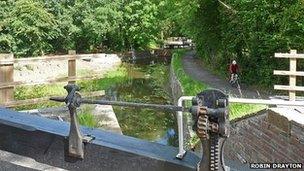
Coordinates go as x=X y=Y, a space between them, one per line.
x=175 y=85
x=176 y=93
x=266 y=137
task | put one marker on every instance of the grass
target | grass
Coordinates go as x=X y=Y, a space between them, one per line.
x=189 y=85
x=38 y=106
x=192 y=87
x=37 y=91
x=86 y=118
x=110 y=78
x=238 y=110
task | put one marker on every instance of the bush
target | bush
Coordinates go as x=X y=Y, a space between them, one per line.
x=251 y=32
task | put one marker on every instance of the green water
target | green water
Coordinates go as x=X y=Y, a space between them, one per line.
x=145 y=83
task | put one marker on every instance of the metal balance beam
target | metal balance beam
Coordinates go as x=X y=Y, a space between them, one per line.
x=208 y=109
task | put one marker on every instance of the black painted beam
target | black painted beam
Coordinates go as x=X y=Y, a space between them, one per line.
x=44 y=140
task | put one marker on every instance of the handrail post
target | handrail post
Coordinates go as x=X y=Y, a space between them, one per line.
x=181 y=151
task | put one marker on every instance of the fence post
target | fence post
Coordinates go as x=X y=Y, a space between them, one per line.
x=72 y=66
x=292 y=88
x=292 y=78
x=6 y=77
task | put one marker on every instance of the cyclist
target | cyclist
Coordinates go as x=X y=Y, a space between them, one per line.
x=233 y=69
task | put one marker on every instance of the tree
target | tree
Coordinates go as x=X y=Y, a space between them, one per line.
x=6 y=40
x=31 y=27
x=251 y=32
x=140 y=24
x=102 y=24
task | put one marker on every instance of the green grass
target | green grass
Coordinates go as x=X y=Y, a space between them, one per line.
x=86 y=118
x=110 y=78
x=192 y=87
x=38 y=106
x=238 y=110
x=189 y=85
x=37 y=91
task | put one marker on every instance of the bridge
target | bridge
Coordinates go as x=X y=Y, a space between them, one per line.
x=178 y=42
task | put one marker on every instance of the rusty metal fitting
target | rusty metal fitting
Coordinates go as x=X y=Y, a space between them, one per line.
x=202 y=110
x=202 y=127
x=214 y=127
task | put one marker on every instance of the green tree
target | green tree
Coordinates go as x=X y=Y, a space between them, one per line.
x=6 y=39
x=248 y=31
x=32 y=27
x=140 y=24
x=102 y=24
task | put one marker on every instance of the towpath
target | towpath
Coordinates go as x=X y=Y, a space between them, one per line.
x=195 y=69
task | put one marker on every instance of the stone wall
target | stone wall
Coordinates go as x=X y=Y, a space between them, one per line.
x=264 y=137
x=104 y=115
x=175 y=86
x=177 y=92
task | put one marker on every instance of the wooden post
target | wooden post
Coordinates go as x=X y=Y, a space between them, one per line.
x=292 y=88
x=7 y=76
x=72 y=66
x=292 y=78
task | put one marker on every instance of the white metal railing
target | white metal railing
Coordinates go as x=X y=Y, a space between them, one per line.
x=182 y=151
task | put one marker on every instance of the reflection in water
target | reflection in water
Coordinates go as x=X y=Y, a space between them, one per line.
x=169 y=137
x=153 y=125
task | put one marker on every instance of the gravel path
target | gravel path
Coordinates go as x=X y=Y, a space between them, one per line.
x=194 y=68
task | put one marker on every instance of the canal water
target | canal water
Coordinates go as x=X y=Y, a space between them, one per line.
x=141 y=80
x=147 y=82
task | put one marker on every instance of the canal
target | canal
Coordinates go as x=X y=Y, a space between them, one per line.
x=143 y=80
x=146 y=81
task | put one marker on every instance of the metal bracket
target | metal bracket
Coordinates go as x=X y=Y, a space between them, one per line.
x=75 y=144
x=211 y=123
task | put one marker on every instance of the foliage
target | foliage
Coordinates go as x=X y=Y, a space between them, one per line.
x=248 y=31
x=192 y=87
x=31 y=28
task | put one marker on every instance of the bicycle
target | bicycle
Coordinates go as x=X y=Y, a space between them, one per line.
x=235 y=82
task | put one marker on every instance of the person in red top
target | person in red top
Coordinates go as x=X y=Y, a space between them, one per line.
x=233 y=69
